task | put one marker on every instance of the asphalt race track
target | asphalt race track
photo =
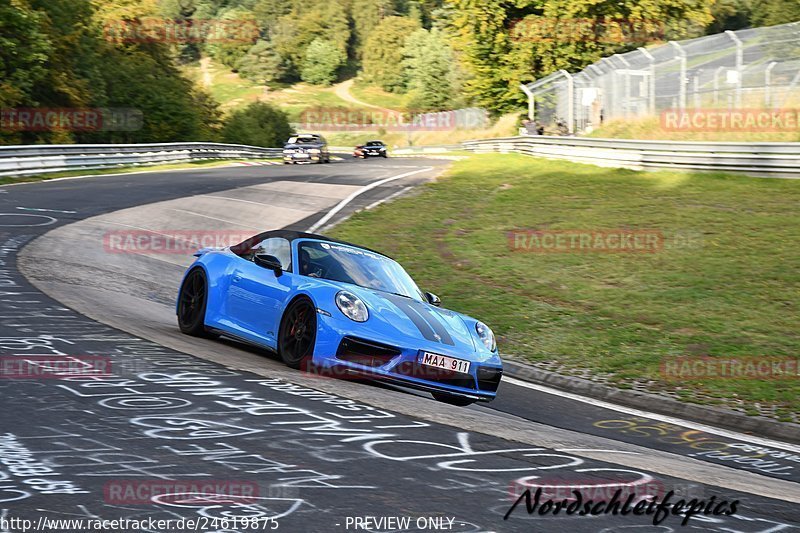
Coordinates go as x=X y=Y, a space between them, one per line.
x=312 y=454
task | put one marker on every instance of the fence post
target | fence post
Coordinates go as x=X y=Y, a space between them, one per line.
x=627 y=85
x=531 y=102
x=651 y=83
x=739 y=61
x=612 y=90
x=570 y=101
x=768 y=83
x=716 y=84
x=696 y=89
x=681 y=53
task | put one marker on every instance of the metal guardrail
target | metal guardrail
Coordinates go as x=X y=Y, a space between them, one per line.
x=439 y=148
x=758 y=158
x=43 y=159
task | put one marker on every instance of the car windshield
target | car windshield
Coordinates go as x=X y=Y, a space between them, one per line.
x=374 y=143
x=348 y=264
x=302 y=140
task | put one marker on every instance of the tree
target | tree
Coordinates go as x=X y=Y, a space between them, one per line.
x=24 y=51
x=54 y=54
x=262 y=64
x=236 y=35
x=505 y=43
x=366 y=15
x=428 y=64
x=384 y=53
x=772 y=12
x=322 y=61
x=268 y=12
x=309 y=21
x=258 y=124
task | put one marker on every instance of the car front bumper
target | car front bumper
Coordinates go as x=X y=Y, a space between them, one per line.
x=371 y=355
x=301 y=158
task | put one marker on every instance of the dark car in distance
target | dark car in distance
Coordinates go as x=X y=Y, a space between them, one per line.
x=306 y=148
x=371 y=149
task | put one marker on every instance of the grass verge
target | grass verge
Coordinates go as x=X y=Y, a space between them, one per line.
x=724 y=285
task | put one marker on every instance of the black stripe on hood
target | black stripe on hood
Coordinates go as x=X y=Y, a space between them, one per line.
x=423 y=318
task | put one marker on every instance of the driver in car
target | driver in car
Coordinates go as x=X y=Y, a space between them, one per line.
x=307 y=268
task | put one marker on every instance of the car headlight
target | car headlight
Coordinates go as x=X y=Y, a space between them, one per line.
x=486 y=335
x=352 y=307
x=288 y=151
x=314 y=151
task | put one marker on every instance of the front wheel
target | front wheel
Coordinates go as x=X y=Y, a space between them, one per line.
x=298 y=333
x=458 y=401
x=192 y=302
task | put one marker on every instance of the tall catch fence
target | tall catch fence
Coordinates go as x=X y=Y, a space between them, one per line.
x=747 y=69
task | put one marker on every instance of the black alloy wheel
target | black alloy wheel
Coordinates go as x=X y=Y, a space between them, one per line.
x=298 y=333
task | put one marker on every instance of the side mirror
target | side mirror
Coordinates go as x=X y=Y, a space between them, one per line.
x=269 y=261
x=433 y=299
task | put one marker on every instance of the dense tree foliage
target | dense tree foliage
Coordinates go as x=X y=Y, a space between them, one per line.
x=258 y=124
x=55 y=56
x=322 y=60
x=430 y=70
x=263 y=64
x=73 y=54
x=383 y=52
x=505 y=43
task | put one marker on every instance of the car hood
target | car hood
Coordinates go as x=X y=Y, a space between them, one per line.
x=431 y=328
x=303 y=145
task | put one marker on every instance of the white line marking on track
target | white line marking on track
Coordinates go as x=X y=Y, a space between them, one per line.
x=387 y=199
x=45 y=210
x=594 y=450
x=234 y=199
x=661 y=418
x=215 y=218
x=341 y=205
x=51 y=220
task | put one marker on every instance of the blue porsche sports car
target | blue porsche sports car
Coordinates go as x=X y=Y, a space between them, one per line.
x=327 y=304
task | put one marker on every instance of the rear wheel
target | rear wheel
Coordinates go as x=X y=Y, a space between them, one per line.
x=298 y=333
x=192 y=302
x=458 y=401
